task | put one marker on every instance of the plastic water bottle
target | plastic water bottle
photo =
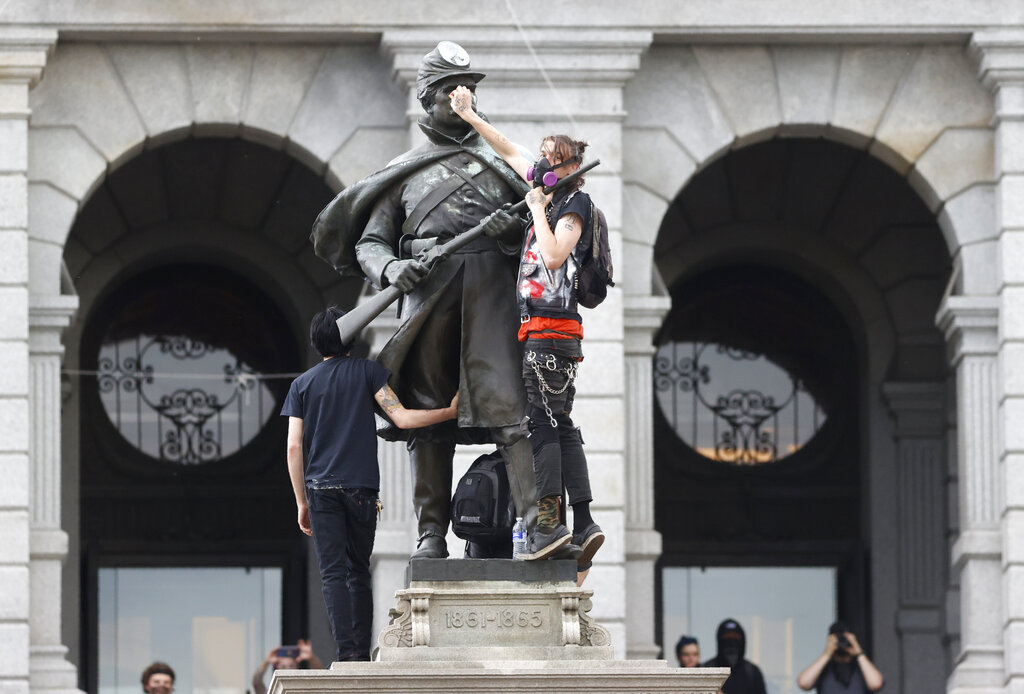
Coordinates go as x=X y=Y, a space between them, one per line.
x=518 y=539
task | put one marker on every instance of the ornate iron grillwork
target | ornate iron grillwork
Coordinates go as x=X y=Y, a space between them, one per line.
x=733 y=405
x=181 y=400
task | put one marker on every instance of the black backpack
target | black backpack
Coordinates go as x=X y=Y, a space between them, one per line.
x=482 y=507
x=594 y=275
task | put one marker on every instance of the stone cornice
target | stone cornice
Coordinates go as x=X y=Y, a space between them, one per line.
x=970 y=324
x=585 y=56
x=23 y=53
x=1000 y=56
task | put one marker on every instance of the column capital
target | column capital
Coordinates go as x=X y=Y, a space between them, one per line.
x=1000 y=58
x=23 y=53
x=503 y=54
x=919 y=408
x=643 y=316
x=970 y=325
x=47 y=318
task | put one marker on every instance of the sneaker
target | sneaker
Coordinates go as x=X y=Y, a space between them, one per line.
x=590 y=540
x=544 y=544
x=569 y=551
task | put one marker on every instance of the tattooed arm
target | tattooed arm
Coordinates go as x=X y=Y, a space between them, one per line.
x=463 y=104
x=555 y=246
x=413 y=419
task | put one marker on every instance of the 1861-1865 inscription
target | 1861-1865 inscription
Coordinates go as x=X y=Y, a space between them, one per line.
x=484 y=618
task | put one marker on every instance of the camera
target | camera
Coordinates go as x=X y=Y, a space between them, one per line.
x=843 y=642
x=288 y=652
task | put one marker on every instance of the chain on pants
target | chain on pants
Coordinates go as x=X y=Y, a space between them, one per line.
x=550 y=364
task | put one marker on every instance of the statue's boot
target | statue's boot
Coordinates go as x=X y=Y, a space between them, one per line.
x=431 y=495
x=522 y=480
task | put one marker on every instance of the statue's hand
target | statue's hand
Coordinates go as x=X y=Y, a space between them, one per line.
x=430 y=255
x=504 y=227
x=404 y=274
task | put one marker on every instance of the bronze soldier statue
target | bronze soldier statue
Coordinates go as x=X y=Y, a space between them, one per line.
x=459 y=320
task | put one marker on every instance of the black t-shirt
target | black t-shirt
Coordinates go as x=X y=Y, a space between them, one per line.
x=579 y=203
x=335 y=402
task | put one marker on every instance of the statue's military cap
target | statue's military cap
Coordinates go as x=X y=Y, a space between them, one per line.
x=448 y=59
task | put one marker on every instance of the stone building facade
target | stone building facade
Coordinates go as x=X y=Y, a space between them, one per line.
x=871 y=153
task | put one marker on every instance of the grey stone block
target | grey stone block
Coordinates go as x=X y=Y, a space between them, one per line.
x=671 y=82
x=81 y=89
x=219 y=76
x=867 y=77
x=939 y=91
x=743 y=79
x=156 y=79
x=459 y=570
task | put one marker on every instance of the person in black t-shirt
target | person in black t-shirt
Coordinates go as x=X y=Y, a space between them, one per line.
x=842 y=668
x=332 y=463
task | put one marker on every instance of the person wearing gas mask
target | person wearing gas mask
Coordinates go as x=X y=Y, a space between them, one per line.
x=551 y=330
x=843 y=668
x=746 y=678
x=383 y=228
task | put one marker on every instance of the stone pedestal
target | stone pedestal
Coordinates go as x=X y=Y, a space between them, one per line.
x=496 y=625
x=492 y=609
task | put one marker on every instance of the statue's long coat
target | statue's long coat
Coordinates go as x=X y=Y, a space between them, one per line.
x=489 y=364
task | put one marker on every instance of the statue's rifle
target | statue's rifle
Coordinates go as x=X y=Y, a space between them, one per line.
x=353 y=322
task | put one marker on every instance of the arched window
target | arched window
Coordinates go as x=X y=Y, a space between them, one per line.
x=749 y=369
x=187 y=363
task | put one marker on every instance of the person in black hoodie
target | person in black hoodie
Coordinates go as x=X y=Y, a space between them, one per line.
x=746 y=678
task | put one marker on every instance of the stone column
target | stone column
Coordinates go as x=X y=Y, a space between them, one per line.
x=643 y=317
x=537 y=84
x=23 y=53
x=1001 y=68
x=970 y=325
x=50 y=670
x=920 y=414
x=396 y=528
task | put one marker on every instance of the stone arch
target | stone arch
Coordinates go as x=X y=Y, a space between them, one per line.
x=100 y=104
x=875 y=251
x=920 y=109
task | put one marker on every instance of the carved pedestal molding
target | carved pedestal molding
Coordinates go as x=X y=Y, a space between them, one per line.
x=920 y=413
x=1000 y=56
x=970 y=325
x=643 y=316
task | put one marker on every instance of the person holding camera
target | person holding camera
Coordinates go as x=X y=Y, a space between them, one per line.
x=299 y=657
x=843 y=667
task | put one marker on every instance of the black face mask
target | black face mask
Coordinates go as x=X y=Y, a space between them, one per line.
x=730 y=653
x=544 y=173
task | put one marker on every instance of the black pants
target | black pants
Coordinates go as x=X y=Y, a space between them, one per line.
x=558 y=457
x=344 y=522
